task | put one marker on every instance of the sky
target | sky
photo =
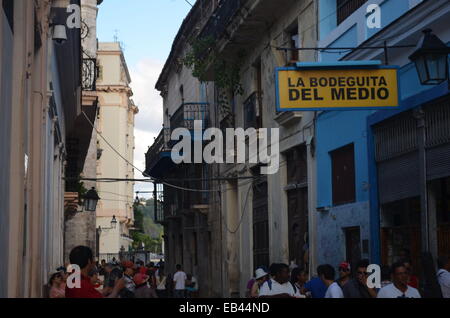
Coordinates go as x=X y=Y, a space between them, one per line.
x=146 y=29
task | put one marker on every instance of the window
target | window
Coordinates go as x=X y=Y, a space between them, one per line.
x=345 y=8
x=260 y=225
x=8 y=8
x=297 y=168
x=250 y=118
x=259 y=94
x=343 y=171
x=195 y=249
x=294 y=43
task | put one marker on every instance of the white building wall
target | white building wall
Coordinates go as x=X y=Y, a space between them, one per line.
x=116 y=125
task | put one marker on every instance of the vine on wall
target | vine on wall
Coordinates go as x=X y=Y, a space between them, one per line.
x=203 y=55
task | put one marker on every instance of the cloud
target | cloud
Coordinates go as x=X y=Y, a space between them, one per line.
x=144 y=77
x=149 y=120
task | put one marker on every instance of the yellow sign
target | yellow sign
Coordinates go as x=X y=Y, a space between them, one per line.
x=317 y=89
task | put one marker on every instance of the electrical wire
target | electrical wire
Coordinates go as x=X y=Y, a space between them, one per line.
x=143 y=173
x=118 y=194
x=326 y=50
x=244 y=208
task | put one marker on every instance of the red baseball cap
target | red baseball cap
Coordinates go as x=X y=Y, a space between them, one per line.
x=345 y=266
x=128 y=264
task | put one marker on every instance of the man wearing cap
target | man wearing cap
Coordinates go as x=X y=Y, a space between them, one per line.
x=143 y=289
x=357 y=287
x=344 y=274
x=260 y=277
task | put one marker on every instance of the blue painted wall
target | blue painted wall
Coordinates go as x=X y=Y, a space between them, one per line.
x=336 y=129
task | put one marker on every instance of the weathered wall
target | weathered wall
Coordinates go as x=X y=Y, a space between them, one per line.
x=304 y=14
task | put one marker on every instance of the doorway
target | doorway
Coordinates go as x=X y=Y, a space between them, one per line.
x=352 y=245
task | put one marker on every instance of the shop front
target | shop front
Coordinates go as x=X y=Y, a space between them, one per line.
x=412 y=155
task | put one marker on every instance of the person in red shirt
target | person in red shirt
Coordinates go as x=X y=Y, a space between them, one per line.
x=83 y=257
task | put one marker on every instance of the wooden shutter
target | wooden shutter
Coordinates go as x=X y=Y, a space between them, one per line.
x=343 y=165
x=260 y=225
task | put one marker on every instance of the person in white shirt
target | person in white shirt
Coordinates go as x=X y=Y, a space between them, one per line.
x=328 y=275
x=399 y=288
x=279 y=286
x=443 y=275
x=179 y=280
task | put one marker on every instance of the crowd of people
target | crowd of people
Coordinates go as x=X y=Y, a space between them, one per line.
x=137 y=280
x=397 y=281
x=120 y=279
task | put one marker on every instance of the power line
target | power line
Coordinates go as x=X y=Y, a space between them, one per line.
x=107 y=142
x=189 y=3
x=143 y=173
x=118 y=194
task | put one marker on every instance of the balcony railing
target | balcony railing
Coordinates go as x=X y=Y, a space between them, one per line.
x=160 y=145
x=185 y=116
x=221 y=18
x=89 y=75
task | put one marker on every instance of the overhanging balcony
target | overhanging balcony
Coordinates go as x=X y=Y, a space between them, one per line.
x=89 y=80
x=220 y=19
x=188 y=113
x=158 y=157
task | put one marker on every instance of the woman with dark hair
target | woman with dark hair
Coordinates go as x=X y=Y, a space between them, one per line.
x=57 y=286
x=299 y=277
x=161 y=283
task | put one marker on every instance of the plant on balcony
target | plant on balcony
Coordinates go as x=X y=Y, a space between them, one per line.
x=81 y=190
x=203 y=55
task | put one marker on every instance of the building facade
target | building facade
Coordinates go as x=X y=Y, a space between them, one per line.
x=40 y=105
x=391 y=163
x=116 y=141
x=242 y=219
x=80 y=225
x=186 y=215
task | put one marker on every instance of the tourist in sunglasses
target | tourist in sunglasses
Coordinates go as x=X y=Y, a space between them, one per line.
x=344 y=274
x=357 y=287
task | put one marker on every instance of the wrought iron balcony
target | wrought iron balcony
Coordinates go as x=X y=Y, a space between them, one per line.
x=158 y=156
x=185 y=116
x=158 y=151
x=220 y=19
x=89 y=80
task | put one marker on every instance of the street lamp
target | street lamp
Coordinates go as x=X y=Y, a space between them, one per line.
x=431 y=59
x=113 y=222
x=90 y=200
x=113 y=225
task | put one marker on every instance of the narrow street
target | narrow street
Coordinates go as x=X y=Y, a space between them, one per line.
x=226 y=149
